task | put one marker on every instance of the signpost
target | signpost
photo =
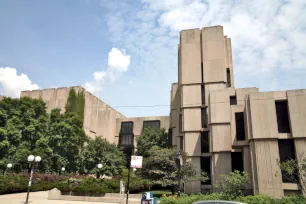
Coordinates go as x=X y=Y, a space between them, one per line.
x=136 y=163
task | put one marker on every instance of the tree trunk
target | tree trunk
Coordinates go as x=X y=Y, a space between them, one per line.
x=173 y=189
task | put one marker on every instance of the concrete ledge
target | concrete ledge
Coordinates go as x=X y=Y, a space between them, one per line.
x=291 y=186
x=285 y=136
x=56 y=194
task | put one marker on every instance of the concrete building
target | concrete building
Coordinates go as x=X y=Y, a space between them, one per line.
x=223 y=128
x=99 y=118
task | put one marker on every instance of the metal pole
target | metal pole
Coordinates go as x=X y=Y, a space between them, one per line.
x=128 y=185
x=30 y=182
x=179 y=181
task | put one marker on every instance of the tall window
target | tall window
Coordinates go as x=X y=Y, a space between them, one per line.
x=282 y=116
x=126 y=134
x=204 y=117
x=237 y=161
x=205 y=142
x=170 y=137
x=180 y=123
x=151 y=123
x=182 y=143
x=203 y=94
x=240 y=132
x=228 y=77
x=205 y=167
x=286 y=152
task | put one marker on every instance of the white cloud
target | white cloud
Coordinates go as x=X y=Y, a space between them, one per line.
x=267 y=40
x=118 y=62
x=266 y=35
x=11 y=84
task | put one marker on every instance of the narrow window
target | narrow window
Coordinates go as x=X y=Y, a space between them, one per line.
x=240 y=132
x=182 y=143
x=170 y=132
x=180 y=123
x=204 y=117
x=228 y=77
x=233 y=100
x=126 y=128
x=203 y=94
x=205 y=167
x=126 y=136
x=202 y=71
x=151 y=123
x=237 y=161
x=287 y=152
x=205 y=142
x=282 y=116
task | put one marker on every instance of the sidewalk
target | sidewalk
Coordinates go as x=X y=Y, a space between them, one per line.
x=36 y=198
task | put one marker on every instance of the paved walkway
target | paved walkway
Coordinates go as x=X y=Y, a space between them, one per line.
x=37 y=198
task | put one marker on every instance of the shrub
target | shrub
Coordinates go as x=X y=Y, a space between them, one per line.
x=89 y=186
x=221 y=196
x=258 y=199
x=232 y=183
x=15 y=183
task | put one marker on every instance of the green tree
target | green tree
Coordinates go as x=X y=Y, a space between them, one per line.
x=295 y=171
x=66 y=138
x=151 y=137
x=232 y=183
x=161 y=168
x=99 y=150
x=23 y=123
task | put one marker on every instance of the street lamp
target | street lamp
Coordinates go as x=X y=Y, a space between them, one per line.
x=9 y=166
x=179 y=163
x=99 y=167
x=63 y=169
x=31 y=159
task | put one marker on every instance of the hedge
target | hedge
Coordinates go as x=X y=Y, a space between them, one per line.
x=257 y=199
x=93 y=186
x=16 y=183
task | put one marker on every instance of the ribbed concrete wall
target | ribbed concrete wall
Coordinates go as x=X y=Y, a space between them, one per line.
x=208 y=49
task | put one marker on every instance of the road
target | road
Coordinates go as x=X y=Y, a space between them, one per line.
x=37 y=198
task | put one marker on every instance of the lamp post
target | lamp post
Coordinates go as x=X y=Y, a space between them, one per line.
x=31 y=159
x=63 y=169
x=99 y=167
x=179 y=163
x=9 y=166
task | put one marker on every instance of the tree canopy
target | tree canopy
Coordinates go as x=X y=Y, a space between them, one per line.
x=26 y=128
x=159 y=162
x=99 y=150
x=151 y=137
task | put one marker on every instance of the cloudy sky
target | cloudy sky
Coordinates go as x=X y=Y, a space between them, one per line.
x=125 y=51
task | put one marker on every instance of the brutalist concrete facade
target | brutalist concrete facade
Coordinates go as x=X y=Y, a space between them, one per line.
x=223 y=128
x=100 y=119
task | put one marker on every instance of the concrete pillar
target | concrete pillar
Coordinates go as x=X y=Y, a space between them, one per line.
x=267 y=178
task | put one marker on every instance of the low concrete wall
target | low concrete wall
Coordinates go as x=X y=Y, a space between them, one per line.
x=56 y=194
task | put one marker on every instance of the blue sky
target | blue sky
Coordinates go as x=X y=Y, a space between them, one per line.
x=125 y=52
